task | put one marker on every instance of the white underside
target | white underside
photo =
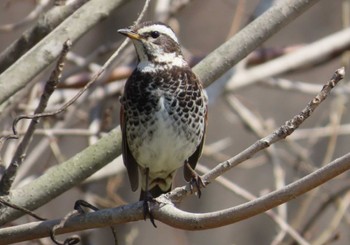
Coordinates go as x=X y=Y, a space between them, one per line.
x=167 y=150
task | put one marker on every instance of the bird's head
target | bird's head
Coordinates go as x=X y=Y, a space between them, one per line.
x=155 y=43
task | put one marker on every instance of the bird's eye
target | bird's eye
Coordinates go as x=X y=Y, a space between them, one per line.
x=155 y=34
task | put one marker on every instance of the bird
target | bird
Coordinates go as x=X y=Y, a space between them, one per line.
x=163 y=114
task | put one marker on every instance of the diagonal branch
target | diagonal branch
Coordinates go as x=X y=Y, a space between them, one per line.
x=249 y=38
x=45 y=24
x=48 y=49
x=8 y=177
x=175 y=217
x=288 y=128
x=165 y=211
x=64 y=176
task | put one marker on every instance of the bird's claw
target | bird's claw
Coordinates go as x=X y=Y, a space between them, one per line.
x=147 y=210
x=196 y=184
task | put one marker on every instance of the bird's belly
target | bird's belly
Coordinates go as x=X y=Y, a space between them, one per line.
x=164 y=144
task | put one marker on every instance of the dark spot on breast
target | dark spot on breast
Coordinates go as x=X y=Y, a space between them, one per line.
x=135 y=123
x=182 y=103
x=182 y=94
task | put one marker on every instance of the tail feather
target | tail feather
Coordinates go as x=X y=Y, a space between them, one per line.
x=155 y=192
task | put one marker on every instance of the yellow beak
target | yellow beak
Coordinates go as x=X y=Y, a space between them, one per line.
x=129 y=33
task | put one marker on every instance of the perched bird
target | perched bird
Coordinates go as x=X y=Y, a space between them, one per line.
x=163 y=113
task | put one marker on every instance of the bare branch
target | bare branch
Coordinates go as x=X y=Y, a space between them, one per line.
x=239 y=46
x=282 y=132
x=10 y=173
x=302 y=57
x=56 y=180
x=65 y=106
x=24 y=210
x=163 y=209
x=39 y=8
x=45 y=52
x=167 y=213
x=32 y=36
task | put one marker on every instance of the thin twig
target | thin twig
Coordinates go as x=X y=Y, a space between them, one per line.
x=24 y=210
x=70 y=240
x=302 y=87
x=258 y=127
x=9 y=175
x=228 y=184
x=44 y=25
x=39 y=8
x=282 y=132
x=166 y=212
x=228 y=54
x=87 y=86
x=331 y=231
x=285 y=130
x=310 y=54
x=315 y=216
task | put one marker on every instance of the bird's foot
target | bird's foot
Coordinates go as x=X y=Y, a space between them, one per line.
x=146 y=208
x=196 y=182
x=79 y=205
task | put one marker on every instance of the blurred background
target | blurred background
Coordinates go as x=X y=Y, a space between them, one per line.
x=202 y=26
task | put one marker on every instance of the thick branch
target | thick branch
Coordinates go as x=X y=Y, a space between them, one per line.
x=62 y=177
x=310 y=54
x=164 y=210
x=70 y=173
x=249 y=38
x=29 y=38
x=175 y=217
x=167 y=213
x=48 y=49
x=10 y=173
x=282 y=132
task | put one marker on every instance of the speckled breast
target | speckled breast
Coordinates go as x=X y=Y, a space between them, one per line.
x=165 y=117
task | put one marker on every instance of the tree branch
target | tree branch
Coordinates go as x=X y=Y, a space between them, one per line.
x=167 y=213
x=252 y=36
x=76 y=174
x=312 y=53
x=172 y=216
x=29 y=38
x=48 y=49
x=50 y=86
x=163 y=209
x=282 y=132
x=62 y=177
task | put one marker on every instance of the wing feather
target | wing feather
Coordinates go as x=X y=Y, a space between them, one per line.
x=129 y=161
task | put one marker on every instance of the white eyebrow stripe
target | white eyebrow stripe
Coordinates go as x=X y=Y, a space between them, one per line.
x=160 y=28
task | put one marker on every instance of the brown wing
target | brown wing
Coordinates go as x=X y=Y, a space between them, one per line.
x=129 y=161
x=193 y=159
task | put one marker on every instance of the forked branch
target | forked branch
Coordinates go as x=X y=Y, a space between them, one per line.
x=165 y=211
